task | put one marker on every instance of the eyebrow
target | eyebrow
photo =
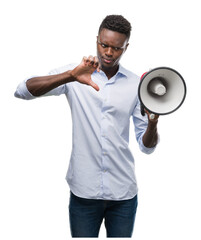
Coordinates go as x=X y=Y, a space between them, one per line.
x=106 y=45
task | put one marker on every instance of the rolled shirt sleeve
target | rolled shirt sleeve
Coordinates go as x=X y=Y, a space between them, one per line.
x=22 y=91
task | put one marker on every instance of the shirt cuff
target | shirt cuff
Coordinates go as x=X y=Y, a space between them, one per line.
x=146 y=149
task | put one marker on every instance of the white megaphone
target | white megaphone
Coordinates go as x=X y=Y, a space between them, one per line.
x=161 y=91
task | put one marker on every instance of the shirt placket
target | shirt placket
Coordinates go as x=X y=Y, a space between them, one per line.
x=104 y=138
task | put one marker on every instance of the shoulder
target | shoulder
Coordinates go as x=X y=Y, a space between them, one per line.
x=131 y=76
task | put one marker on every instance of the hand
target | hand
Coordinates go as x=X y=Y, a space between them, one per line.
x=152 y=117
x=82 y=73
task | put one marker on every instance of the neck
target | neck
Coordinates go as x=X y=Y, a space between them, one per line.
x=110 y=72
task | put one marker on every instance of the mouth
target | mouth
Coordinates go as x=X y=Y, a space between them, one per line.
x=107 y=61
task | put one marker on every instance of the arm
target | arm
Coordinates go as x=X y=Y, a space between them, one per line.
x=38 y=86
x=150 y=137
x=145 y=130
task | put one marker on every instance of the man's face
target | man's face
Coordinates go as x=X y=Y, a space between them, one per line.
x=110 y=47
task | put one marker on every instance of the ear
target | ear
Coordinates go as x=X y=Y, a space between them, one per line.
x=126 y=46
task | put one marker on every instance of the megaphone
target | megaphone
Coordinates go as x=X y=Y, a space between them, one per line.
x=161 y=91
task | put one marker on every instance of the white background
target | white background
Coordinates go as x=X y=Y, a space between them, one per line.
x=40 y=35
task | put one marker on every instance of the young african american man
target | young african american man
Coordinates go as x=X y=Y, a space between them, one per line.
x=102 y=95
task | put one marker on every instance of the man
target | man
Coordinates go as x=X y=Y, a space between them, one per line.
x=102 y=96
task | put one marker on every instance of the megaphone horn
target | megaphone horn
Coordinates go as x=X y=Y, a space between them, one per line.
x=161 y=91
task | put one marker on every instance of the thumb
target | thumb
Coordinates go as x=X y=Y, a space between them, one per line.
x=94 y=85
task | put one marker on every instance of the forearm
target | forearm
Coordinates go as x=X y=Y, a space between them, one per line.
x=150 y=137
x=38 y=86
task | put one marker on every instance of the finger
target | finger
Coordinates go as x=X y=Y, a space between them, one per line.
x=94 y=85
x=91 y=60
x=84 y=59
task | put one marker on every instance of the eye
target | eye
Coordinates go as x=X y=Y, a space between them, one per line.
x=103 y=45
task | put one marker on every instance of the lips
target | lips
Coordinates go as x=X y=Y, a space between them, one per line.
x=107 y=61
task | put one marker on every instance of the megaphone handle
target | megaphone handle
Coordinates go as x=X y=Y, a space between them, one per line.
x=142 y=109
x=152 y=115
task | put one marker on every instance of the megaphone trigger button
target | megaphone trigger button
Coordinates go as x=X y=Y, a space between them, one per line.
x=152 y=116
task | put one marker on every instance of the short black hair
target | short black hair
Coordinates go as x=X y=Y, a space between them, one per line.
x=116 y=23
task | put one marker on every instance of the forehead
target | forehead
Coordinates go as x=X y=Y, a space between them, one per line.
x=112 y=38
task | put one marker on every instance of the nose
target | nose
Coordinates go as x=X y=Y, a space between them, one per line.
x=109 y=51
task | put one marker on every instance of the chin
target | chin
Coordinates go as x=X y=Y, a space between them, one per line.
x=108 y=65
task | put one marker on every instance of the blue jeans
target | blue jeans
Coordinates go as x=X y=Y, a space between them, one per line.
x=86 y=216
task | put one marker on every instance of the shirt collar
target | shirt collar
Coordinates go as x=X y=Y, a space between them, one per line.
x=121 y=71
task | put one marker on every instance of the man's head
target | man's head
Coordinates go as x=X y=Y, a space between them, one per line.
x=112 y=41
x=116 y=23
